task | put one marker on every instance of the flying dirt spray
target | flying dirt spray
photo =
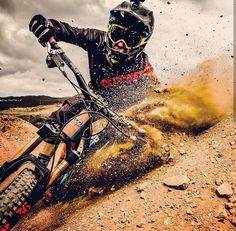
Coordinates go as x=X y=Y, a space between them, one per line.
x=191 y=105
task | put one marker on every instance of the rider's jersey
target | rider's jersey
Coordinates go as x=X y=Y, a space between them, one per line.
x=102 y=72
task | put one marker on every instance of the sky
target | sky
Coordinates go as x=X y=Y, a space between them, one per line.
x=186 y=33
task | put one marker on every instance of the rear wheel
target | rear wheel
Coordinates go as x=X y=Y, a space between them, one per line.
x=13 y=200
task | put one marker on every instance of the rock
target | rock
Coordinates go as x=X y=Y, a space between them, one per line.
x=141 y=187
x=229 y=205
x=170 y=159
x=153 y=220
x=100 y=215
x=218 y=182
x=142 y=195
x=233 y=221
x=224 y=190
x=123 y=221
x=222 y=215
x=179 y=182
x=232 y=199
x=219 y=154
x=189 y=212
x=167 y=149
x=193 y=204
x=182 y=151
x=140 y=225
x=4 y=128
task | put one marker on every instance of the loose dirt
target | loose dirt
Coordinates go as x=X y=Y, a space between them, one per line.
x=147 y=204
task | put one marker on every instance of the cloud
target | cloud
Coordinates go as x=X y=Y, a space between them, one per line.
x=7 y=6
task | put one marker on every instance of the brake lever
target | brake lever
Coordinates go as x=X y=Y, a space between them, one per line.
x=54 y=53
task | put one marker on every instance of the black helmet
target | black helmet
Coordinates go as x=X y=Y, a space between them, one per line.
x=130 y=26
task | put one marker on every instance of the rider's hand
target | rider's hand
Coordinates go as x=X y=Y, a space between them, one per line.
x=42 y=28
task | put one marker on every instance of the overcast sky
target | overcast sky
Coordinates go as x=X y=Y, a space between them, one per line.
x=186 y=32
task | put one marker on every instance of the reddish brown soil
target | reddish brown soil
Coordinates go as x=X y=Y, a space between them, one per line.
x=14 y=134
x=157 y=207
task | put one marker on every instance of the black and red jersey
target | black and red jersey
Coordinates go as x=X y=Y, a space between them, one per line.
x=102 y=72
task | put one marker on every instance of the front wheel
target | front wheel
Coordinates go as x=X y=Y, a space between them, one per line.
x=15 y=199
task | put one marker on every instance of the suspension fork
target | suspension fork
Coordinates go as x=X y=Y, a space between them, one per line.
x=72 y=135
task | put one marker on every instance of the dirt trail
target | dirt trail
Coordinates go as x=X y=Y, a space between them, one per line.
x=14 y=134
x=147 y=204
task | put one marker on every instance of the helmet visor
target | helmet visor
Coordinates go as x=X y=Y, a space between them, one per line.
x=131 y=38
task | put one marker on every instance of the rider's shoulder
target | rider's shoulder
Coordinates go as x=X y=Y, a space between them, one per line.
x=96 y=37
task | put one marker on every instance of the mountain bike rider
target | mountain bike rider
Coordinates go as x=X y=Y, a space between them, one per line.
x=120 y=70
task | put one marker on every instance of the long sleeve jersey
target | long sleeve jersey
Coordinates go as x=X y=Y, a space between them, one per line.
x=105 y=77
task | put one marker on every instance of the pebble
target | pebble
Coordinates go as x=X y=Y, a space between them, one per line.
x=182 y=151
x=218 y=182
x=189 y=212
x=224 y=190
x=221 y=214
x=142 y=195
x=100 y=215
x=179 y=182
x=170 y=159
x=140 y=225
x=219 y=154
x=141 y=187
x=193 y=204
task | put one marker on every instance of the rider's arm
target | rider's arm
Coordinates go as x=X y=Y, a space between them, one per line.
x=85 y=38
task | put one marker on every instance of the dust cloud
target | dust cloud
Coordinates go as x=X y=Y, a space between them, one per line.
x=191 y=104
x=197 y=101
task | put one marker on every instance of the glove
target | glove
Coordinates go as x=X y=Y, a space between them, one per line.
x=42 y=28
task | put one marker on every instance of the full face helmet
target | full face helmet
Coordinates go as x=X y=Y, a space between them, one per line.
x=129 y=29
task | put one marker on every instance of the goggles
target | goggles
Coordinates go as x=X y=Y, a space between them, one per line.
x=131 y=39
